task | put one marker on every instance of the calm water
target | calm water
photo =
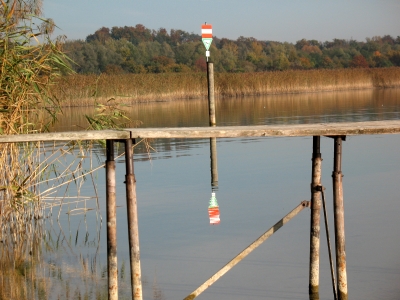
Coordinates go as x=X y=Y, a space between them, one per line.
x=260 y=180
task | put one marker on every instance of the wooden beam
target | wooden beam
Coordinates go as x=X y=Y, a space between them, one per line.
x=67 y=136
x=325 y=129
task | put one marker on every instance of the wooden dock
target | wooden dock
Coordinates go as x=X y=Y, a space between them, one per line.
x=337 y=131
x=322 y=129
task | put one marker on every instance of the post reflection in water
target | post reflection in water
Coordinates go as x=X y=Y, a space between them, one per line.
x=213 y=208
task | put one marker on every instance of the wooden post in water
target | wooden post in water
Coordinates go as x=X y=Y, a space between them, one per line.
x=133 y=228
x=214 y=164
x=213 y=123
x=313 y=287
x=111 y=207
x=211 y=100
x=339 y=220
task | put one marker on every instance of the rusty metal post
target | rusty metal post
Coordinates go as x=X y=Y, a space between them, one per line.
x=211 y=100
x=111 y=208
x=214 y=164
x=133 y=228
x=313 y=287
x=339 y=220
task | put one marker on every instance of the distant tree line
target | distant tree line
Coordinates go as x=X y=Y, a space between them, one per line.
x=141 y=50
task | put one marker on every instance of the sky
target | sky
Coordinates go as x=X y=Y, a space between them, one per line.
x=272 y=20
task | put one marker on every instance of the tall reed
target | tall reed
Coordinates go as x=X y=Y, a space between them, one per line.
x=28 y=66
x=79 y=90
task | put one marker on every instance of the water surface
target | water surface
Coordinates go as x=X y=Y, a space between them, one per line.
x=260 y=180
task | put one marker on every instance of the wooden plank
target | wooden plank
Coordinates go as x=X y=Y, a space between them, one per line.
x=327 y=129
x=66 y=136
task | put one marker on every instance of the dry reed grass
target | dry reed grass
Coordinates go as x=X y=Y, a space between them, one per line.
x=84 y=90
x=27 y=68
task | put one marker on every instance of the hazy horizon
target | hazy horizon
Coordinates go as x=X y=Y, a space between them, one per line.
x=271 y=20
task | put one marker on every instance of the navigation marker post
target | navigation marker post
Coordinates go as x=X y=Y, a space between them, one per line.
x=206 y=37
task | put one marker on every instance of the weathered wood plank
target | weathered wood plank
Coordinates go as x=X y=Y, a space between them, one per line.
x=324 y=129
x=66 y=136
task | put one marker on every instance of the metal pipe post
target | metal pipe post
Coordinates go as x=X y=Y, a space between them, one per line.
x=211 y=100
x=214 y=164
x=339 y=220
x=133 y=228
x=111 y=207
x=313 y=287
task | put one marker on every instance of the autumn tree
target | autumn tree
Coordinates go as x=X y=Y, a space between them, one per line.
x=305 y=63
x=359 y=61
x=201 y=64
x=101 y=35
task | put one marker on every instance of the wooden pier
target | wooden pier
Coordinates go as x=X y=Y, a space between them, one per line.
x=336 y=131
x=293 y=130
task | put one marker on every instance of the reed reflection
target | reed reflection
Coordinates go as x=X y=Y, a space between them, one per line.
x=344 y=106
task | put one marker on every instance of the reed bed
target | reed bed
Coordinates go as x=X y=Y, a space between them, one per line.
x=84 y=90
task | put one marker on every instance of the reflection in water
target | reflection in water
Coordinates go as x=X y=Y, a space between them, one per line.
x=262 y=179
x=51 y=249
x=213 y=208
x=214 y=164
x=53 y=262
x=270 y=174
x=346 y=106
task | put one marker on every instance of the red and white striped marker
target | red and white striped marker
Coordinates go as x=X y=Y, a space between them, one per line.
x=206 y=31
x=206 y=37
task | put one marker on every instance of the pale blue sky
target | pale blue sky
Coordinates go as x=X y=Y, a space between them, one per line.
x=276 y=20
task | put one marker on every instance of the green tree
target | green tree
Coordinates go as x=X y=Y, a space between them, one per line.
x=281 y=62
x=394 y=57
x=147 y=51
x=161 y=64
x=228 y=59
x=188 y=53
x=327 y=63
x=380 y=60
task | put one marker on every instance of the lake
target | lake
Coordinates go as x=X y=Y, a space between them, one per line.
x=260 y=181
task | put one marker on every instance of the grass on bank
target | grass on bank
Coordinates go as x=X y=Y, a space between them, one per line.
x=80 y=90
